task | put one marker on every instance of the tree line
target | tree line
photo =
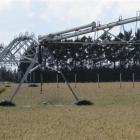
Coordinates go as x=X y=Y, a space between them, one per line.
x=8 y=75
x=86 y=58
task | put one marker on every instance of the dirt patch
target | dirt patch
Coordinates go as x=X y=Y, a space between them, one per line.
x=33 y=85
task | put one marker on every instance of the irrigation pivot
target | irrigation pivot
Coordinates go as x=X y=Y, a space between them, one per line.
x=39 y=55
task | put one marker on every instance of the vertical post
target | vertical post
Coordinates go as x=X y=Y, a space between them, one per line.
x=24 y=80
x=0 y=75
x=30 y=77
x=120 y=80
x=57 y=80
x=18 y=75
x=33 y=77
x=75 y=80
x=133 y=80
x=41 y=82
x=98 y=80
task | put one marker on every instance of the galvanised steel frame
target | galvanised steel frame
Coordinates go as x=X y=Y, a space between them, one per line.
x=15 y=51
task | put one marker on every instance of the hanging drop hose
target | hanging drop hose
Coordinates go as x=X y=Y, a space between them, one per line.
x=41 y=72
x=136 y=24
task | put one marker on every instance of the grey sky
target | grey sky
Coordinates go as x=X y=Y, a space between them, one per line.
x=46 y=16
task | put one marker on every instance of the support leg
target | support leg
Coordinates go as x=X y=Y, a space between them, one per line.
x=23 y=79
x=70 y=88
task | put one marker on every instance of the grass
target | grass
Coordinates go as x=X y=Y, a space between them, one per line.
x=2 y=89
x=115 y=115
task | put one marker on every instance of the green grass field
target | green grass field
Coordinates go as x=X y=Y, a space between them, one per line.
x=115 y=115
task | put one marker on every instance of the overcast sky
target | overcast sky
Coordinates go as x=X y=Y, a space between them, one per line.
x=46 y=16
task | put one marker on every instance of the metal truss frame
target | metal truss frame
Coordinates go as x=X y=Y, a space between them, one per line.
x=15 y=52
